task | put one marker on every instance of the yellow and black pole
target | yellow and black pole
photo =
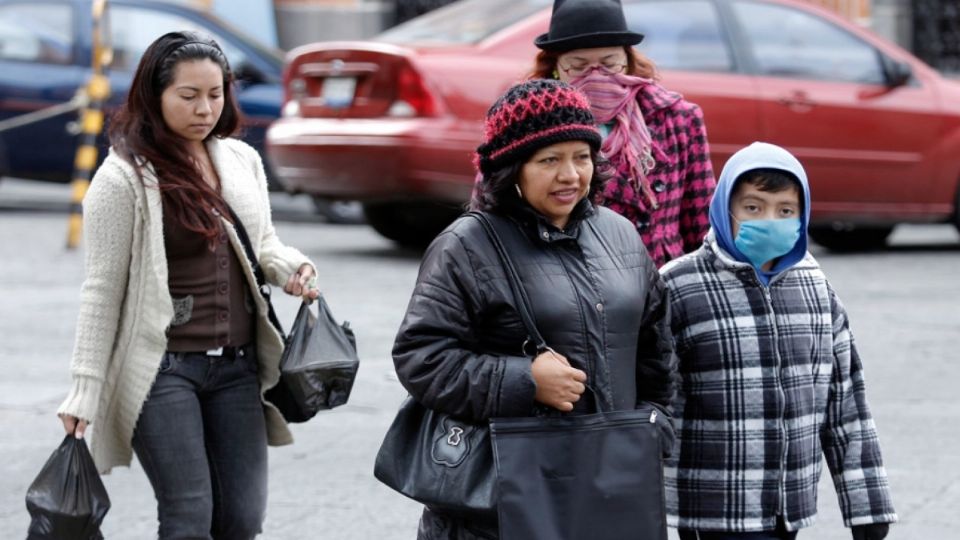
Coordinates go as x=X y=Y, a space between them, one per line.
x=91 y=123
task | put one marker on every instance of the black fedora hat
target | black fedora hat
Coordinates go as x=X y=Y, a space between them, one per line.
x=587 y=24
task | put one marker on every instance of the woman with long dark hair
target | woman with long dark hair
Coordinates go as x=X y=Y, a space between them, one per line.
x=655 y=139
x=173 y=349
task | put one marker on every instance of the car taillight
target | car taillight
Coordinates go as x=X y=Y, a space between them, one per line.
x=296 y=90
x=413 y=97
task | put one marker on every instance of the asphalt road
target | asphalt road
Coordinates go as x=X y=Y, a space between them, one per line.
x=902 y=303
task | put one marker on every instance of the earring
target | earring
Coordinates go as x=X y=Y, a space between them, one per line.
x=556 y=74
x=519 y=193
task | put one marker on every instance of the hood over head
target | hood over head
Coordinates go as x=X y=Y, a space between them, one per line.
x=759 y=155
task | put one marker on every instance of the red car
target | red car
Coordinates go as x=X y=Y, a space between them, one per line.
x=393 y=122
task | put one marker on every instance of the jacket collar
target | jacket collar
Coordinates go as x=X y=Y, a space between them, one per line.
x=536 y=225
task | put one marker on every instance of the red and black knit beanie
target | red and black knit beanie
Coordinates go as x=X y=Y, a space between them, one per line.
x=530 y=116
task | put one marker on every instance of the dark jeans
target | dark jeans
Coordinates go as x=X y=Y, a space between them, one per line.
x=202 y=441
x=781 y=533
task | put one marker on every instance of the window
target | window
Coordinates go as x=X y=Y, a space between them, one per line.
x=36 y=33
x=682 y=35
x=131 y=37
x=464 y=22
x=788 y=42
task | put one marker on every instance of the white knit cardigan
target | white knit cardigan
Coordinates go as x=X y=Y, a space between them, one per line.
x=125 y=303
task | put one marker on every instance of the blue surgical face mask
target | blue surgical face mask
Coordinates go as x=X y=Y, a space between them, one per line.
x=762 y=240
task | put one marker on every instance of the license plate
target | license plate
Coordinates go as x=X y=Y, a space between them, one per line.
x=338 y=91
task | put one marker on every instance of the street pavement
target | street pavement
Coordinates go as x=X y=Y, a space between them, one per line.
x=903 y=305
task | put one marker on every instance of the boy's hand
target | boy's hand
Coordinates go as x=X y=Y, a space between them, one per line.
x=558 y=385
x=873 y=531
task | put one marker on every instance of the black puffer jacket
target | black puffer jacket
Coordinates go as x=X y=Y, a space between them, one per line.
x=596 y=296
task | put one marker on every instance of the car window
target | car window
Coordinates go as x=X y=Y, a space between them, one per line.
x=787 y=42
x=461 y=23
x=36 y=33
x=128 y=28
x=682 y=35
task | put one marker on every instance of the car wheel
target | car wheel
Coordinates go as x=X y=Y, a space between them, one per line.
x=411 y=224
x=339 y=212
x=3 y=159
x=842 y=237
x=956 y=210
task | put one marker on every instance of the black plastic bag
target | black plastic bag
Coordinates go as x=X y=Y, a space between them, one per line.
x=67 y=500
x=318 y=367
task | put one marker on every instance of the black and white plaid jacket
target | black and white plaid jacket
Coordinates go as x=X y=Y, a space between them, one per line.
x=770 y=380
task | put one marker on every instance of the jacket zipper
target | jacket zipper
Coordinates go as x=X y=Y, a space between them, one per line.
x=782 y=407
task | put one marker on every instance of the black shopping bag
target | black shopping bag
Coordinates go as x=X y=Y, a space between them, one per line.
x=596 y=476
x=318 y=367
x=67 y=500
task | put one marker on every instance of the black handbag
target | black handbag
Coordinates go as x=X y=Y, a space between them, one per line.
x=441 y=461
x=596 y=476
x=319 y=362
x=444 y=462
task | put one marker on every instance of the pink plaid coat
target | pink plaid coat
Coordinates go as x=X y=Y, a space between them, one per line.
x=682 y=180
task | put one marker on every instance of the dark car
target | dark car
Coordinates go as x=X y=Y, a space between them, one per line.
x=392 y=122
x=45 y=56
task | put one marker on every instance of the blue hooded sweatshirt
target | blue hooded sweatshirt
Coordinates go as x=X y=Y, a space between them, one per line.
x=758 y=155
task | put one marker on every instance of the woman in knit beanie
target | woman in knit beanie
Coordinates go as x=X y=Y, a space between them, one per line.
x=655 y=139
x=595 y=293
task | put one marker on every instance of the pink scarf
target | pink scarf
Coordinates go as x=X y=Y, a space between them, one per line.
x=628 y=146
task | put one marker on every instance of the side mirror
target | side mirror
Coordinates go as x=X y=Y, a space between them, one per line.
x=897 y=73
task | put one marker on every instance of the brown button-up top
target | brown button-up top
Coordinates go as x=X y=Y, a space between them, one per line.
x=210 y=295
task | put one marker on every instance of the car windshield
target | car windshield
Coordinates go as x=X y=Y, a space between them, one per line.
x=267 y=52
x=462 y=23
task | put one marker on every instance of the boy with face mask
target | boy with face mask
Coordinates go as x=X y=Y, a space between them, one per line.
x=771 y=378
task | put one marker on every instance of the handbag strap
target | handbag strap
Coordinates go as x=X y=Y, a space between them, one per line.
x=262 y=284
x=490 y=225
x=489 y=222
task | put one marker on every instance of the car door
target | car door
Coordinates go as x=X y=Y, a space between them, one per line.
x=824 y=95
x=38 y=69
x=695 y=55
x=259 y=93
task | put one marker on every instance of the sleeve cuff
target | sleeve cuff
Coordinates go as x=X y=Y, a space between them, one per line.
x=279 y=269
x=517 y=388
x=83 y=398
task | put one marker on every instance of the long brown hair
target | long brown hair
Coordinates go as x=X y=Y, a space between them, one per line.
x=638 y=65
x=140 y=135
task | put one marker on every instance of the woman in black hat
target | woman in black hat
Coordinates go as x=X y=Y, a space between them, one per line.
x=655 y=139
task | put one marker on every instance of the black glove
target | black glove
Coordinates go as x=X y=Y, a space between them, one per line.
x=873 y=531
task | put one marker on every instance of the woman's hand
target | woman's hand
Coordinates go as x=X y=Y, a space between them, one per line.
x=303 y=283
x=73 y=425
x=558 y=385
